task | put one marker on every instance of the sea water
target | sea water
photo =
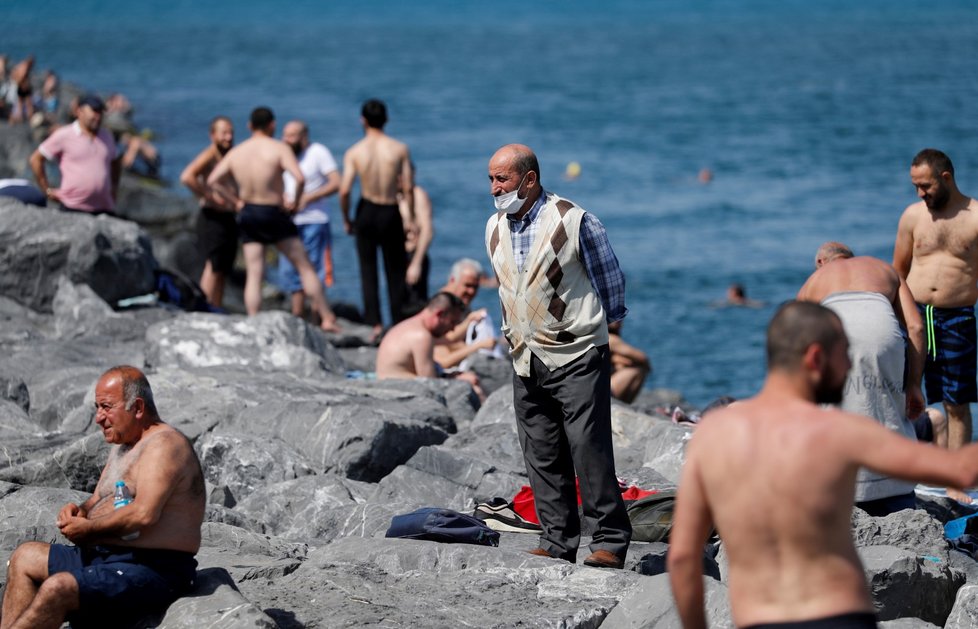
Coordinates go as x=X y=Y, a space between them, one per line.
x=807 y=114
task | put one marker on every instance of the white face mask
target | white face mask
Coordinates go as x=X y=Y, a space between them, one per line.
x=510 y=202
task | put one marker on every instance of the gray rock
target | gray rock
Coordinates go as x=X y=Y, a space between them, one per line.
x=14 y=422
x=650 y=605
x=362 y=434
x=246 y=554
x=14 y=389
x=307 y=507
x=361 y=358
x=37 y=245
x=241 y=464
x=79 y=312
x=76 y=465
x=913 y=530
x=904 y=584
x=905 y=623
x=215 y=602
x=274 y=341
x=58 y=391
x=408 y=583
x=494 y=373
x=665 y=448
x=964 y=614
x=29 y=514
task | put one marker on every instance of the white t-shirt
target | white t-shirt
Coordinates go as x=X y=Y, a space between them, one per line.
x=316 y=162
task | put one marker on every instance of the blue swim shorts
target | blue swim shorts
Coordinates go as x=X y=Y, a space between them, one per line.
x=129 y=583
x=315 y=238
x=950 y=369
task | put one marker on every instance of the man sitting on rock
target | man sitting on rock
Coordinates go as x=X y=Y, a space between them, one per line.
x=407 y=348
x=128 y=559
x=476 y=331
x=776 y=476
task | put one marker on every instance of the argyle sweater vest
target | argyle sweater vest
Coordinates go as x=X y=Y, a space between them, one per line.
x=549 y=309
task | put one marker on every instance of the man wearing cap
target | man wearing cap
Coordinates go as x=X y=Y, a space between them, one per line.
x=86 y=156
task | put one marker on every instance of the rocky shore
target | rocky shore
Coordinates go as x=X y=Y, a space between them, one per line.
x=305 y=467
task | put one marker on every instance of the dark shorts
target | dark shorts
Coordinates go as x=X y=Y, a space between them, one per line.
x=132 y=582
x=882 y=507
x=217 y=238
x=266 y=224
x=923 y=428
x=950 y=370
x=858 y=620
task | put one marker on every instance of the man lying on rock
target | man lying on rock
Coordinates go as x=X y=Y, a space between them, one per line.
x=128 y=559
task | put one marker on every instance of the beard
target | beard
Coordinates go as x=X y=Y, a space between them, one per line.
x=939 y=200
x=297 y=149
x=829 y=393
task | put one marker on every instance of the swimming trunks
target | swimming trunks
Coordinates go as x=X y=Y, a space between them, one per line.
x=950 y=369
x=874 y=384
x=266 y=224
x=217 y=238
x=855 y=620
x=130 y=582
x=924 y=429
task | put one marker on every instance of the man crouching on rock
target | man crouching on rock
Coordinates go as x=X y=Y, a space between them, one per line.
x=776 y=476
x=126 y=561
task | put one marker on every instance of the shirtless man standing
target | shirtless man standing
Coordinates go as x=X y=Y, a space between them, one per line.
x=936 y=251
x=383 y=165
x=217 y=226
x=256 y=166
x=775 y=475
x=127 y=561
x=874 y=303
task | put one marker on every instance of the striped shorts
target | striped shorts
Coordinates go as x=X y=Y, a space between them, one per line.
x=950 y=369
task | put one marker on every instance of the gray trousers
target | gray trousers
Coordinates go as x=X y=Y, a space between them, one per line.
x=564 y=422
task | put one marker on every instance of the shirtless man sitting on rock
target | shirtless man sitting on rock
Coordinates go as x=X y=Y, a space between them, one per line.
x=265 y=216
x=126 y=561
x=776 y=474
x=407 y=349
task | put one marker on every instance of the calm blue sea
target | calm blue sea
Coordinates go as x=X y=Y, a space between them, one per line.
x=807 y=113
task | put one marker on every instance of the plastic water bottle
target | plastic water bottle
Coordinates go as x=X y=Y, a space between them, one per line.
x=121 y=499
x=122 y=495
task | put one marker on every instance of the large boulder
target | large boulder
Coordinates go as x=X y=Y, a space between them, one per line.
x=236 y=466
x=37 y=245
x=215 y=602
x=268 y=341
x=906 y=584
x=650 y=606
x=407 y=583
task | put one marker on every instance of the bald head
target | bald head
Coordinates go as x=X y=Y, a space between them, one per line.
x=830 y=251
x=134 y=385
x=517 y=157
x=296 y=134
x=795 y=327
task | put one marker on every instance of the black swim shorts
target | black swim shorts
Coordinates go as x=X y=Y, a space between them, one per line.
x=266 y=224
x=950 y=370
x=858 y=620
x=131 y=582
x=217 y=238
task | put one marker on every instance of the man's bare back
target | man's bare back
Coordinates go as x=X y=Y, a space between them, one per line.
x=775 y=475
x=406 y=351
x=853 y=274
x=256 y=165
x=380 y=161
x=785 y=526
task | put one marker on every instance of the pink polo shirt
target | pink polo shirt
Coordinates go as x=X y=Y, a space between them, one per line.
x=86 y=166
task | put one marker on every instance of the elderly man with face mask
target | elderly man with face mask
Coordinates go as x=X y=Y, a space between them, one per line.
x=559 y=287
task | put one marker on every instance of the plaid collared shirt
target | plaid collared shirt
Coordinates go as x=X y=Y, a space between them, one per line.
x=599 y=259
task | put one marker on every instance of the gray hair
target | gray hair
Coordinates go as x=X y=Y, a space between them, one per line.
x=134 y=385
x=464 y=264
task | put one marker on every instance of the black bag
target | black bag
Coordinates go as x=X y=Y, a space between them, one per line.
x=651 y=516
x=442 y=525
